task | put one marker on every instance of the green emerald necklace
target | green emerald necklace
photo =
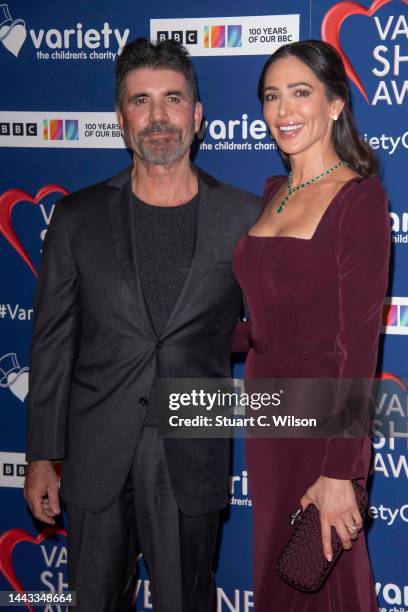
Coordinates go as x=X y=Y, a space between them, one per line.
x=292 y=190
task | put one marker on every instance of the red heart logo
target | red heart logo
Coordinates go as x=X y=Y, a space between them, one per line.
x=7 y=202
x=332 y=23
x=390 y=376
x=9 y=541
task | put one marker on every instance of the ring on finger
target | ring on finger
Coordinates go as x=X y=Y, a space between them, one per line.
x=352 y=528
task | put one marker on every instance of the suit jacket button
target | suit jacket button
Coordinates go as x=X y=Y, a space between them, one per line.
x=159 y=344
x=143 y=400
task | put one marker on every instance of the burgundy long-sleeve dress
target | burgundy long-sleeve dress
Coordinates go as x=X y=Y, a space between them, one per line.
x=316 y=309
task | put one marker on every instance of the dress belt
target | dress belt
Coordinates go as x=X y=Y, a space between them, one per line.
x=268 y=347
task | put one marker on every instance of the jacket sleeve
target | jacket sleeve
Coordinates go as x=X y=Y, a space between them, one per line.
x=53 y=343
x=363 y=249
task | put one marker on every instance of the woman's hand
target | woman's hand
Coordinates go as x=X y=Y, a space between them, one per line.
x=337 y=506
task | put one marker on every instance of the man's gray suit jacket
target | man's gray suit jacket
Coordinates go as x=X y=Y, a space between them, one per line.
x=94 y=353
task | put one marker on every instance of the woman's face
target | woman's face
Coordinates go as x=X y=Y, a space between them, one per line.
x=296 y=107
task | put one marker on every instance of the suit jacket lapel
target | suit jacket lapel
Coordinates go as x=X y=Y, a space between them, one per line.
x=122 y=220
x=207 y=225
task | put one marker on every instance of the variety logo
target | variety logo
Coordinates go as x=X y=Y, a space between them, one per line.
x=143 y=595
x=393 y=594
x=390 y=425
x=390 y=144
x=389 y=515
x=15 y=312
x=388 y=56
x=238 y=489
x=13 y=376
x=235 y=135
x=258 y=35
x=395 y=316
x=12 y=31
x=12 y=470
x=72 y=43
x=390 y=465
x=235 y=601
x=399 y=227
x=53 y=563
x=226 y=601
x=7 y=202
x=244 y=134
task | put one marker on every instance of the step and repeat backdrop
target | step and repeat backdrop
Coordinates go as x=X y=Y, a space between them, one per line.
x=58 y=133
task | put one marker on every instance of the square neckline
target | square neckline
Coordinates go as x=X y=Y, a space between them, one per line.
x=355 y=178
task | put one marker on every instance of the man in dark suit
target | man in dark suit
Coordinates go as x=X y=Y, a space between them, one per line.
x=136 y=283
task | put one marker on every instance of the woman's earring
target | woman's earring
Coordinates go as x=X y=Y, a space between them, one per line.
x=334 y=117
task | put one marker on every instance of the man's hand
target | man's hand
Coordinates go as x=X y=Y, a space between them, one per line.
x=337 y=506
x=41 y=491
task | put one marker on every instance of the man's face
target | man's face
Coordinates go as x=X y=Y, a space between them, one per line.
x=158 y=118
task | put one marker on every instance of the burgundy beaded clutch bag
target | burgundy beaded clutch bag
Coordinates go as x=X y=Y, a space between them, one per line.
x=302 y=563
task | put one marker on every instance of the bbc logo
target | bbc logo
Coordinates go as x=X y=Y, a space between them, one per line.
x=188 y=37
x=14 y=469
x=18 y=129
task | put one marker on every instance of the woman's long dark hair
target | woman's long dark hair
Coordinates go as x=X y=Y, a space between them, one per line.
x=328 y=67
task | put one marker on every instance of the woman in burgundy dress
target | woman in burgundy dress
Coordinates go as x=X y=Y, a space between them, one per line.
x=314 y=271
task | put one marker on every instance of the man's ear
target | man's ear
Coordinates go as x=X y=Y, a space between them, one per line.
x=119 y=117
x=198 y=116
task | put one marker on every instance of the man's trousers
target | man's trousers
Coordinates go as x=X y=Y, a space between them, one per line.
x=178 y=550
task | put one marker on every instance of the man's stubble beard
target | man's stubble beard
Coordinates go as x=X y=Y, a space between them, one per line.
x=164 y=152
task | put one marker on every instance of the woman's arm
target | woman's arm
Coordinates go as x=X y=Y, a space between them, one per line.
x=363 y=248
x=363 y=251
